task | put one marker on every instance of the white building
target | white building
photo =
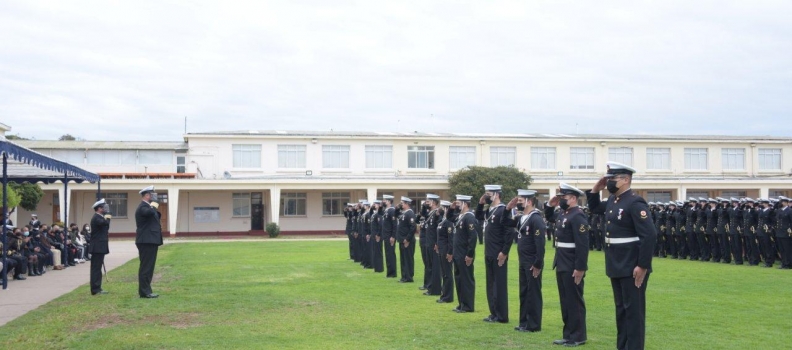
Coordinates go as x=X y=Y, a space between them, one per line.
x=236 y=182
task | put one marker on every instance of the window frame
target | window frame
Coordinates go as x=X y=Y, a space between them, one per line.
x=339 y=198
x=237 y=196
x=575 y=153
x=116 y=201
x=689 y=158
x=341 y=151
x=726 y=154
x=502 y=151
x=381 y=152
x=762 y=159
x=296 y=150
x=536 y=156
x=414 y=153
x=454 y=152
x=652 y=152
x=246 y=151
x=298 y=198
x=620 y=153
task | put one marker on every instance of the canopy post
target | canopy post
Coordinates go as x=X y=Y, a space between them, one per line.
x=99 y=190
x=65 y=255
x=5 y=218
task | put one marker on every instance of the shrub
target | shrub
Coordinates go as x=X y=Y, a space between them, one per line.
x=273 y=229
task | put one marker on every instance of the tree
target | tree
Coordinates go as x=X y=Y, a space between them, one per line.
x=16 y=137
x=30 y=194
x=67 y=137
x=471 y=181
x=13 y=199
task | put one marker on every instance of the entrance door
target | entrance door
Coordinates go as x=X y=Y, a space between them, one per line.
x=256 y=212
x=163 y=209
x=55 y=208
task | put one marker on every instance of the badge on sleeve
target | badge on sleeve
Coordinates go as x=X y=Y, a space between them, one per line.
x=582 y=228
x=643 y=214
x=471 y=227
x=412 y=220
x=449 y=230
x=538 y=233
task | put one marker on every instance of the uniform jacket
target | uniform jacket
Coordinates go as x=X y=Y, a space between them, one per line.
x=406 y=228
x=100 y=232
x=465 y=235
x=147 y=220
x=498 y=238
x=530 y=236
x=571 y=227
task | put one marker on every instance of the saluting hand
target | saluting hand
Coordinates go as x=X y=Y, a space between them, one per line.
x=639 y=274
x=603 y=181
x=512 y=203
x=554 y=201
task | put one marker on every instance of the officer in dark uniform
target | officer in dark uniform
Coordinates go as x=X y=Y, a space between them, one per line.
x=784 y=233
x=497 y=244
x=711 y=213
x=445 y=244
x=691 y=215
x=734 y=213
x=571 y=262
x=148 y=239
x=670 y=230
x=389 y=224
x=364 y=234
x=701 y=232
x=750 y=218
x=680 y=237
x=628 y=251
x=376 y=235
x=530 y=250
x=358 y=258
x=763 y=232
x=100 y=228
x=405 y=235
x=723 y=230
x=432 y=272
x=464 y=251
x=350 y=228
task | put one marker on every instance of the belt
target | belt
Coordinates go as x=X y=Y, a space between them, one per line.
x=621 y=240
x=565 y=245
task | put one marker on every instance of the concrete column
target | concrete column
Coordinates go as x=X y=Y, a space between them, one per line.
x=64 y=198
x=764 y=192
x=682 y=193
x=371 y=194
x=173 y=210
x=275 y=194
x=552 y=192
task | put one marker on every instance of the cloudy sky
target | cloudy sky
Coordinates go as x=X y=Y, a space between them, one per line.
x=107 y=70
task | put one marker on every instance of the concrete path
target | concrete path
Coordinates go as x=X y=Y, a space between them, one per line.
x=23 y=296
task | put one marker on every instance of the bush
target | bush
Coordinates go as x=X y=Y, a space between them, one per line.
x=273 y=229
x=471 y=181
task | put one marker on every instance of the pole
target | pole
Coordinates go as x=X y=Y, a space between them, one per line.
x=65 y=255
x=99 y=190
x=5 y=215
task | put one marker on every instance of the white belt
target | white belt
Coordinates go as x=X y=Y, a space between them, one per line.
x=565 y=245
x=621 y=240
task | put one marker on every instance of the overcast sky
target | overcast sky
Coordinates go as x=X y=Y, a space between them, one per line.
x=107 y=70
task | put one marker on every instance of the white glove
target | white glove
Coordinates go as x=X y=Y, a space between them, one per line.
x=108 y=216
x=155 y=205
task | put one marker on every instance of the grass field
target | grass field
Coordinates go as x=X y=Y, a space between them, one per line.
x=306 y=295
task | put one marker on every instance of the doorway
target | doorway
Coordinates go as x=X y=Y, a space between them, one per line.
x=256 y=211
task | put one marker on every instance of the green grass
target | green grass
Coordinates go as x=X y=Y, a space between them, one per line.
x=306 y=295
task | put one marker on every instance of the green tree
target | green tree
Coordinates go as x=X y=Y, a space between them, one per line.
x=471 y=181
x=67 y=137
x=30 y=194
x=16 y=137
x=13 y=199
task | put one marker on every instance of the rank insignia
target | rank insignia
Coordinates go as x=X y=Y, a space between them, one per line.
x=449 y=230
x=643 y=214
x=471 y=227
x=412 y=220
x=538 y=233
x=582 y=228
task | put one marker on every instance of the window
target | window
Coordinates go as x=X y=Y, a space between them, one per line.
x=148 y=157
x=658 y=158
x=291 y=156
x=776 y=193
x=502 y=156
x=416 y=196
x=733 y=158
x=112 y=157
x=241 y=204
x=737 y=194
x=293 y=204
x=181 y=164
x=420 y=157
x=769 y=159
x=582 y=158
x=622 y=155
x=117 y=203
x=334 y=156
x=247 y=156
x=379 y=157
x=333 y=203
x=695 y=158
x=76 y=157
x=461 y=157
x=658 y=196
x=698 y=194
x=543 y=157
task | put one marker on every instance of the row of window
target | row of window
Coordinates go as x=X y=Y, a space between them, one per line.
x=423 y=157
x=112 y=157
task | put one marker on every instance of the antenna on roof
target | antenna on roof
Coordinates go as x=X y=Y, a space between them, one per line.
x=185 y=124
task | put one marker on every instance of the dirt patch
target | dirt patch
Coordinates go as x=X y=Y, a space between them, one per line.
x=179 y=320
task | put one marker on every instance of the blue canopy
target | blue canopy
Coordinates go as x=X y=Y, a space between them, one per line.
x=30 y=166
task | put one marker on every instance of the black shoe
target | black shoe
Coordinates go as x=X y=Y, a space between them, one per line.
x=560 y=341
x=571 y=344
x=441 y=301
x=430 y=293
x=460 y=311
x=390 y=276
x=72 y=264
x=422 y=287
x=150 y=296
x=401 y=280
x=100 y=292
x=489 y=318
x=524 y=329
x=767 y=265
x=20 y=277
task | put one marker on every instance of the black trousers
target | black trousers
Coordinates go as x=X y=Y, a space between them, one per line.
x=376 y=255
x=714 y=243
x=630 y=312
x=573 y=306
x=670 y=246
x=447 y=275
x=358 y=255
x=427 y=262
x=96 y=272
x=407 y=256
x=365 y=252
x=703 y=241
x=351 y=246
x=465 y=284
x=390 y=258
x=434 y=278
x=681 y=246
x=736 y=248
x=530 y=298
x=693 y=245
x=497 y=293
x=753 y=248
x=785 y=246
x=725 y=248
x=768 y=251
x=148 y=258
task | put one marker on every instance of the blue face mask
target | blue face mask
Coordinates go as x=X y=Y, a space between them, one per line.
x=26 y=233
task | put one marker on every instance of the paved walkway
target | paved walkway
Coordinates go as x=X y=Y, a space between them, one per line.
x=23 y=296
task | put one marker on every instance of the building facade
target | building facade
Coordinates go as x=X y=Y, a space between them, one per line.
x=236 y=182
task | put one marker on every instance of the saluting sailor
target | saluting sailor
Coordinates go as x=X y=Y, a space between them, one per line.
x=630 y=237
x=497 y=245
x=464 y=251
x=405 y=235
x=571 y=262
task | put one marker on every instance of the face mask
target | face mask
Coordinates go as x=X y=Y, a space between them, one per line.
x=441 y=212
x=26 y=233
x=520 y=207
x=612 y=188
x=563 y=203
x=488 y=199
x=400 y=207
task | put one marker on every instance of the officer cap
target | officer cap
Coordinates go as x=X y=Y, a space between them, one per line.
x=99 y=203
x=387 y=196
x=526 y=193
x=734 y=199
x=147 y=190
x=432 y=196
x=702 y=199
x=445 y=203
x=783 y=199
x=377 y=201
x=406 y=199
x=569 y=189
x=750 y=200
x=615 y=168
x=463 y=198
x=492 y=188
